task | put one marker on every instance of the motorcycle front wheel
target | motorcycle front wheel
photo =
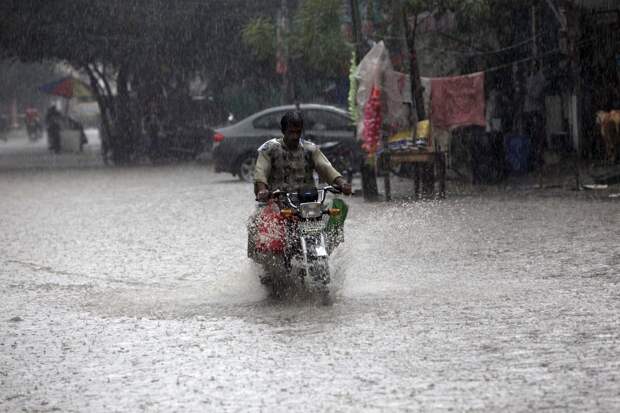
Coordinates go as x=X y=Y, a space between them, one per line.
x=319 y=274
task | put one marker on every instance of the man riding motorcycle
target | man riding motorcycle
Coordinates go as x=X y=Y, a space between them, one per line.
x=288 y=164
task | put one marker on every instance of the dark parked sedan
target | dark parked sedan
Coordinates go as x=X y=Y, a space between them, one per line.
x=235 y=147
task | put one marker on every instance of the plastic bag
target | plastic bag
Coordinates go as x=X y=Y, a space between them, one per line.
x=337 y=221
x=334 y=229
x=375 y=72
x=270 y=230
x=368 y=74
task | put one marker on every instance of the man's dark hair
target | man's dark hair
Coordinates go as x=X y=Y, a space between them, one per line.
x=291 y=118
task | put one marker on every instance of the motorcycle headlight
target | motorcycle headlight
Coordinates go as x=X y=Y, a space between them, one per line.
x=310 y=210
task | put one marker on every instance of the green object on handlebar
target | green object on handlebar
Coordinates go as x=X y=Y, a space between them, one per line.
x=337 y=222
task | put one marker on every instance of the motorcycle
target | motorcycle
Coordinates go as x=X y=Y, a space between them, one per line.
x=343 y=156
x=34 y=129
x=296 y=239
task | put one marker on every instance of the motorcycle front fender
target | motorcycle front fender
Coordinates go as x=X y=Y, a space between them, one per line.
x=313 y=246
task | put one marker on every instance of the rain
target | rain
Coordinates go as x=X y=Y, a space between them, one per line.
x=164 y=247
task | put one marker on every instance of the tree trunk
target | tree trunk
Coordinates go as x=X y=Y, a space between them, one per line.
x=122 y=145
x=417 y=92
x=104 y=110
x=424 y=170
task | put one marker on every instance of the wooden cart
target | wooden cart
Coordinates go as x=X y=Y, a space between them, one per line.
x=419 y=159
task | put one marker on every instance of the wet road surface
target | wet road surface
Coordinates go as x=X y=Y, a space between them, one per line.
x=128 y=289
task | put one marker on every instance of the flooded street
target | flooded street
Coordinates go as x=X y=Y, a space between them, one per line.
x=127 y=289
x=125 y=282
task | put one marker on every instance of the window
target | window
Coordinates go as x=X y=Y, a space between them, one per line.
x=269 y=121
x=320 y=120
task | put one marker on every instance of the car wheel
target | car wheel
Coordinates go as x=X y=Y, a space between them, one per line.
x=246 y=168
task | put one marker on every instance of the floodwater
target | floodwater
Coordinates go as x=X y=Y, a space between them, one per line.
x=128 y=289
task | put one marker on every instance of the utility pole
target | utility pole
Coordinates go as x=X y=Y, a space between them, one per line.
x=368 y=166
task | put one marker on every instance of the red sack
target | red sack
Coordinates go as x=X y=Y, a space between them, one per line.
x=270 y=234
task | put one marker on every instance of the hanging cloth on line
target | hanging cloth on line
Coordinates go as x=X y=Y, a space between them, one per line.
x=458 y=101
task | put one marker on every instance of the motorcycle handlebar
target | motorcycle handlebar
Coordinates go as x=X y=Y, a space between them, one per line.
x=278 y=193
x=328 y=188
x=333 y=189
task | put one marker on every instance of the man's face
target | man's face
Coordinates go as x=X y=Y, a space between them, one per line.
x=292 y=134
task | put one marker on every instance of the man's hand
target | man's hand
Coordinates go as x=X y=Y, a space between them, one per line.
x=343 y=185
x=262 y=195
x=261 y=192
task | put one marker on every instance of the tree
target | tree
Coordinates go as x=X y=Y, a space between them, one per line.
x=317 y=38
x=260 y=35
x=133 y=52
x=19 y=82
x=318 y=51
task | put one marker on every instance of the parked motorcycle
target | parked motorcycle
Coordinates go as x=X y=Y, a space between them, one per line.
x=295 y=234
x=34 y=129
x=343 y=157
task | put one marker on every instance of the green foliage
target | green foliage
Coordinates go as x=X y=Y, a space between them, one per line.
x=467 y=6
x=182 y=36
x=260 y=36
x=148 y=49
x=316 y=37
x=471 y=14
x=481 y=24
x=315 y=41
